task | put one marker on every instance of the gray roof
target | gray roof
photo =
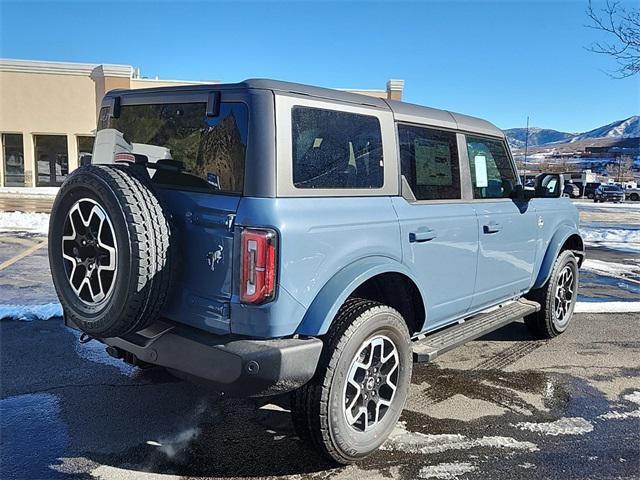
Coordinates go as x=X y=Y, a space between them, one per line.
x=403 y=111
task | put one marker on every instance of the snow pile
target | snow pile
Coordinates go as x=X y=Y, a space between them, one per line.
x=563 y=426
x=613 y=235
x=607 y=307
x=24 y=222
x=616 y=415
x=29 y=313
x=416 y=442
x=446 y=470
x=613 y=269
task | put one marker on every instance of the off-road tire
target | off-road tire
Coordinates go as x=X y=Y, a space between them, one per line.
x=316 y=408
x=544 y=324
x=145 y=247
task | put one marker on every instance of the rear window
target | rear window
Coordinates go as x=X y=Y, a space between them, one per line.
x=333 y=149
x=209 y=151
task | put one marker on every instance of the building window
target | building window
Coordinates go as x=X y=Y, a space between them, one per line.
x=429 y=161
x=334 y=149
x=13 y=158
x=85 y=147
x=52 y=159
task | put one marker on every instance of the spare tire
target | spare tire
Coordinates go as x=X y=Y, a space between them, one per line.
x=110 y=247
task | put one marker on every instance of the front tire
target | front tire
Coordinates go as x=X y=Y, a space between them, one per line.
x=557 y=299
x=355 y=399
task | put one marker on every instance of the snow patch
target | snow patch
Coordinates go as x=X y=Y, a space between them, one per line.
x=607 y=307
x=610 y=268
x=446 y=470
x=612 y=235
x=28 y=313
x=415 y=442
x=616 y=415
x=24 y=222
x=563 y=426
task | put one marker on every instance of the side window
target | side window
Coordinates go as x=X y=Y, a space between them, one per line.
x=492 y=175
x=333 y=149
x=429 y=162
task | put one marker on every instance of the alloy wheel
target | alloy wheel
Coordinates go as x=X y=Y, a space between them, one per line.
x=371 y=383
x=89 y=251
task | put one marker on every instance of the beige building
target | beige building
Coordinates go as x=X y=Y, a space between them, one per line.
x=48 y=114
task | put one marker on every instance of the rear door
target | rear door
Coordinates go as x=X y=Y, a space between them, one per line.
x=196 y=144
x=439 y=230
x=508 y=229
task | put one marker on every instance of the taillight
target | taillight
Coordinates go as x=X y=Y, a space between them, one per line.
x=124 y=157
x=258 y=265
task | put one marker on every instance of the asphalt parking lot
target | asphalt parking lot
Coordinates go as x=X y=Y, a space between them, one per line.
x=504 y=406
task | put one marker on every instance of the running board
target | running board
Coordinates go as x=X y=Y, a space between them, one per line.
x=433 y=345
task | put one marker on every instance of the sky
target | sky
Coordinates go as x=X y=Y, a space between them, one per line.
x=499 y=60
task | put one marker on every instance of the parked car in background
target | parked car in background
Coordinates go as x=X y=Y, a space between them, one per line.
x=590 y=188
x=571 y=190
x=608 y=193
x=272 y=238
x=632 y=194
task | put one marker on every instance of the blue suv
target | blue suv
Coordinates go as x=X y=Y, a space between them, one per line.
x=269 y=238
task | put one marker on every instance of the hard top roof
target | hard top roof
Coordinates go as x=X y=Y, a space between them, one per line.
x=403 y=111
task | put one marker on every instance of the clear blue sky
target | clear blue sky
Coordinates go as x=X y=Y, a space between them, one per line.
x=499 y=60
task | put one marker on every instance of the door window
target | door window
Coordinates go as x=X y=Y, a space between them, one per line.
x=333 y=149
x=13 y=157
x=429 y=162
x=52 y=159
x=492 y=174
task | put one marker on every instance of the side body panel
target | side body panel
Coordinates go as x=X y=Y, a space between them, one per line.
x=560 y=220
x=508 y=232
x=440 y=246
x=318 y=238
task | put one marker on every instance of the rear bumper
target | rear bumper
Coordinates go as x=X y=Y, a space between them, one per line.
x=236 y=366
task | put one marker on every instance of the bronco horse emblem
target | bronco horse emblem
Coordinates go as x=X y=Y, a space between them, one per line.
x=213 y=258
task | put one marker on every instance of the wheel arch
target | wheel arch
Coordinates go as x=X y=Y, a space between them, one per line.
x=375 y=278
x=565 y=238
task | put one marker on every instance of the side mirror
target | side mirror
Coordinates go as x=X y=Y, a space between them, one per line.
x=549 y=185
x=518 y=192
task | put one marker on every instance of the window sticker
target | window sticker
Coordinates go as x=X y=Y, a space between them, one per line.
x=433 y=163
x=480 y=162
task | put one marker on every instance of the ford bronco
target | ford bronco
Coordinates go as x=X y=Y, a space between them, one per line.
x=270 y=238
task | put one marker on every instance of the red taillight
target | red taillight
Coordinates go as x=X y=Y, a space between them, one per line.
x=124 y=157
x=258 y=265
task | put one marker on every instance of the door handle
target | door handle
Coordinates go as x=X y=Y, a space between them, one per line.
x=492 y=227
x=422 y=236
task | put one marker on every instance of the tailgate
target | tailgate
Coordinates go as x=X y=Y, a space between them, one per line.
x=203 y=286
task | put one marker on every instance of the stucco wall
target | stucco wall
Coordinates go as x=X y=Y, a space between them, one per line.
x=33 y=104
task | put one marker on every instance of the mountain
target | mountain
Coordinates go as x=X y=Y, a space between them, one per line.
x=543 y=137
x=629 y=128
x=537 y=136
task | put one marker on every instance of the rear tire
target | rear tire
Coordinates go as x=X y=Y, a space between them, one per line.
x=137 y=250
x=557 y=299
x=326 y=412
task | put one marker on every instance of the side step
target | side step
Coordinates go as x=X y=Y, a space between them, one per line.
x=433 y=345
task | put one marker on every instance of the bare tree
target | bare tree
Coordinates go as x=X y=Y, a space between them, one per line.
x=623 y=27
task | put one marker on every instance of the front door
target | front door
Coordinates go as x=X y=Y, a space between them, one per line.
x=507 y=228
x=439 y=232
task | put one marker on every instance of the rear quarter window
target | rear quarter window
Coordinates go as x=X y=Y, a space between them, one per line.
x=336 y=150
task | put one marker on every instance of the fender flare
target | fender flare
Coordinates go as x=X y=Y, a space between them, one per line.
x=335 y=292
x=553 y=250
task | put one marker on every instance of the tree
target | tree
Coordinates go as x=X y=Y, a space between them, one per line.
x=623 y=27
